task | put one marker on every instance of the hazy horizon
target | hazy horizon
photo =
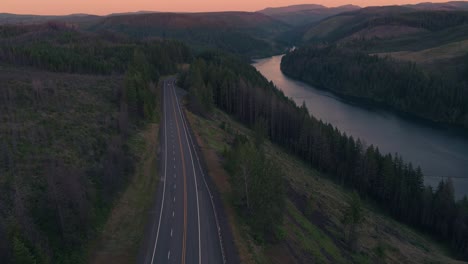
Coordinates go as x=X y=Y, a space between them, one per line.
x=52 y=7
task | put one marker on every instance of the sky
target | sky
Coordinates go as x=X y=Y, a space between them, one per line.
x=104 y=7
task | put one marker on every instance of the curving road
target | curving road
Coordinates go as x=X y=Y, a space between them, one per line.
x=184 y=226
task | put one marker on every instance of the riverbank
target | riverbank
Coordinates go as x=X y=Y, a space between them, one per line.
x=441 y=152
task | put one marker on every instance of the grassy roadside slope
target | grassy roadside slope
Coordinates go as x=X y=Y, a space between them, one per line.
x=313 y=232
x=121 y=235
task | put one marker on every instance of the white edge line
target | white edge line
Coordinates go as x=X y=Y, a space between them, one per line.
x=209 y=192
x=194 y=176
x=165 y=180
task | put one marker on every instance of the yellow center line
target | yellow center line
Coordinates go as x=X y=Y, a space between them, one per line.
x=185 y=183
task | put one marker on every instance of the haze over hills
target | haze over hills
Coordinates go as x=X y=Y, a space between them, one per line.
x=80 y=19
x=255 y=34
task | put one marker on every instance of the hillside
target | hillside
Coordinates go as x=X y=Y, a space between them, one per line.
x=414 y=43
x=78 y=19
x=248 y=34
x=74 y=108
x=243 y=33
x=384 y=23
x=307 y=209
x=313 y=231
x=394 y=185
x=300 y=15
x=448 y=6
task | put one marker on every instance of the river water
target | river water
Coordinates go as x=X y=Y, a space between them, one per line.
x=441 y=152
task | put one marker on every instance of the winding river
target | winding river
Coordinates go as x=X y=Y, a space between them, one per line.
x=441 y=152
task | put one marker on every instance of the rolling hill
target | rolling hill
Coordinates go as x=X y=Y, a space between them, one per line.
x=349 y=24
x=246 y=33
x=448 y=6
x=78 y=19
x=298 y=15
x=243 y=33
x=420 y=44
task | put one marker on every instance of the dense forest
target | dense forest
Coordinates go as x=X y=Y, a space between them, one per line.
x=400 y=85
x=248 y=34
x=70 y=104
x=397 y=186
x=58 y=47
x=257 y=188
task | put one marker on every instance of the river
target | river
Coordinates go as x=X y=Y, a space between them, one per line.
x=441 y=152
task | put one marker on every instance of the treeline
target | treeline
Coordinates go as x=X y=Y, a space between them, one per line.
x=257 y=188
x=242 y=92
x=65 y=140
x=399 y=85
x=431 y=20
x=57 y=48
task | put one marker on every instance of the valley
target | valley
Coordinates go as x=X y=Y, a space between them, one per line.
x=203 y=137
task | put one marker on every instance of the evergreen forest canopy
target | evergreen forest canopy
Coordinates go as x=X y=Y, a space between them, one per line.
x=216 y=80
x=74 y=101
x=412 y=59
x=400 y=85
x=72 y=105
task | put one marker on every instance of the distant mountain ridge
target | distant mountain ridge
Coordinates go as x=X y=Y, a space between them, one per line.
x=182 y=20
x=292 y=8
x=448 y=6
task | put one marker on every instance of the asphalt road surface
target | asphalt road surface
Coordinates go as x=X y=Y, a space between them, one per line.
x=183 y=226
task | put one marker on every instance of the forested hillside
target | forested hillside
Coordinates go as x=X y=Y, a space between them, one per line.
x=305 y=15
x=397 y=186
x=70 y=104
x=411 y=59
x=389 y=22
x=403 y=86
x=244 y=33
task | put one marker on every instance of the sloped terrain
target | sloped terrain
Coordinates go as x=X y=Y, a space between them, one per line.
x=301 y=15
x=243 y=33
x=313 y=231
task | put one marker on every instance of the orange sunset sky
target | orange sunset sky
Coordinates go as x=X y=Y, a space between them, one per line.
x=102 y=7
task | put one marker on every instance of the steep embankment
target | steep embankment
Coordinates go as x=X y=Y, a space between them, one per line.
x=313 y=228
x=216 y=80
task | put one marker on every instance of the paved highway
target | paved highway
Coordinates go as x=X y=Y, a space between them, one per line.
x=184 y=226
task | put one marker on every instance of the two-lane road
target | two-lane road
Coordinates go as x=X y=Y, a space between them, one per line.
x=184 y=226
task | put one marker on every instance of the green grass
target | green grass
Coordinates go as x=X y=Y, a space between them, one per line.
x=304 y=239
x=123 y=232
x=313 y=233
